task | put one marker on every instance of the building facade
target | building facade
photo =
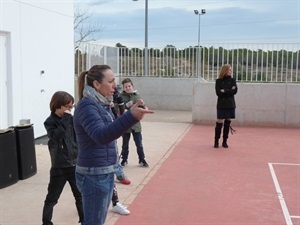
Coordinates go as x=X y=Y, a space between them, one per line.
x=36 y=59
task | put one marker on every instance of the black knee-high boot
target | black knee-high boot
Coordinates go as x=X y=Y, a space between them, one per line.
x=218 y=130
x=225 y=133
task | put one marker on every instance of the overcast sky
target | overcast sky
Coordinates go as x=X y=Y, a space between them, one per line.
x=173 y=22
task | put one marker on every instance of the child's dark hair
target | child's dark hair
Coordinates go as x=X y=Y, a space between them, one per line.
x=127 y=80
x=60 y=98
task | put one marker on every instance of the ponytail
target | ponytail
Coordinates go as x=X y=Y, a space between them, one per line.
x=88 y=77
x=81 y=83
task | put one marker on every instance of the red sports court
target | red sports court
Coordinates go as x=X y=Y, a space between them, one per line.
x=256 y=181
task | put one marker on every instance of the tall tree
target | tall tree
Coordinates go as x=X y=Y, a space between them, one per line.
x=85 y=29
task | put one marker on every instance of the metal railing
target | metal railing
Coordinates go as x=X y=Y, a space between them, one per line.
x=87 y=55
x=250 y=62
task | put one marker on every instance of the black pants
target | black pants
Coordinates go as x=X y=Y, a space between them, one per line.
x=115 y=198
x=58 y=179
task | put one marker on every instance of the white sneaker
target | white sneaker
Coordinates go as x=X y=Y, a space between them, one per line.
x=119 y=208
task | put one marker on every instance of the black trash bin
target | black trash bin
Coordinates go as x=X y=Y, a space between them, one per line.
x=26 y=151
x=9 y=173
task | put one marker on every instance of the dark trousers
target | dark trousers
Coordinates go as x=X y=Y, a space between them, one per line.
x=58 y=179
x=115 y=198
x=137 y=137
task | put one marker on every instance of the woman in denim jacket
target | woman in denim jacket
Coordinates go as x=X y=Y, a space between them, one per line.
x=96 y=132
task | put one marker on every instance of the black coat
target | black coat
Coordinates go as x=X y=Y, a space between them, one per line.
x=226 y=99
x=62 y=140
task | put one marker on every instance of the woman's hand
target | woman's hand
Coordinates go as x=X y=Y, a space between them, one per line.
x=137 y=112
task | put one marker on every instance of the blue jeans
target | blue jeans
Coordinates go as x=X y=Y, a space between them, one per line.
x=137 y=137
x=120 y=170
x=96 y=191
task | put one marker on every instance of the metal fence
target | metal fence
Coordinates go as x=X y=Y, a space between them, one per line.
x=87 y=55
x=250 y=62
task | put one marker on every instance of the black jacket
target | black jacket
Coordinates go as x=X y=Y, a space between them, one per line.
x=226 y=99
x=62 y=140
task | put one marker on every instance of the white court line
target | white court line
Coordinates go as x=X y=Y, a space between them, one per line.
x=286 y=164
x=280 y=196
x=295 y=217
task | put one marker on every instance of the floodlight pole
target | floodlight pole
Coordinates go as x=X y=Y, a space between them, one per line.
x=146 y=39
x=203 y=11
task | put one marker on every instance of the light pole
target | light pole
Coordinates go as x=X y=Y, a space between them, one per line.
x=146 y=39
x=203 y=11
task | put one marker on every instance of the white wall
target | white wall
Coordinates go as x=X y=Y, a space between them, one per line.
x=264 y=104
x=258 y=104
x=166 y=93
x=40 y=38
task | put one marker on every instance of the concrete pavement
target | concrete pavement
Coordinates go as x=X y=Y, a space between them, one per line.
x=22 y=203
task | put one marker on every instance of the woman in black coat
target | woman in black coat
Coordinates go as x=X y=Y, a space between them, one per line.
x=226 y=88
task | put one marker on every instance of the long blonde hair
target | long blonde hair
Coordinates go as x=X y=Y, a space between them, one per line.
x=224 y=70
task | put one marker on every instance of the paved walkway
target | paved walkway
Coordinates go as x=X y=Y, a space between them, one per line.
x=188 y=181
x=22 y=203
